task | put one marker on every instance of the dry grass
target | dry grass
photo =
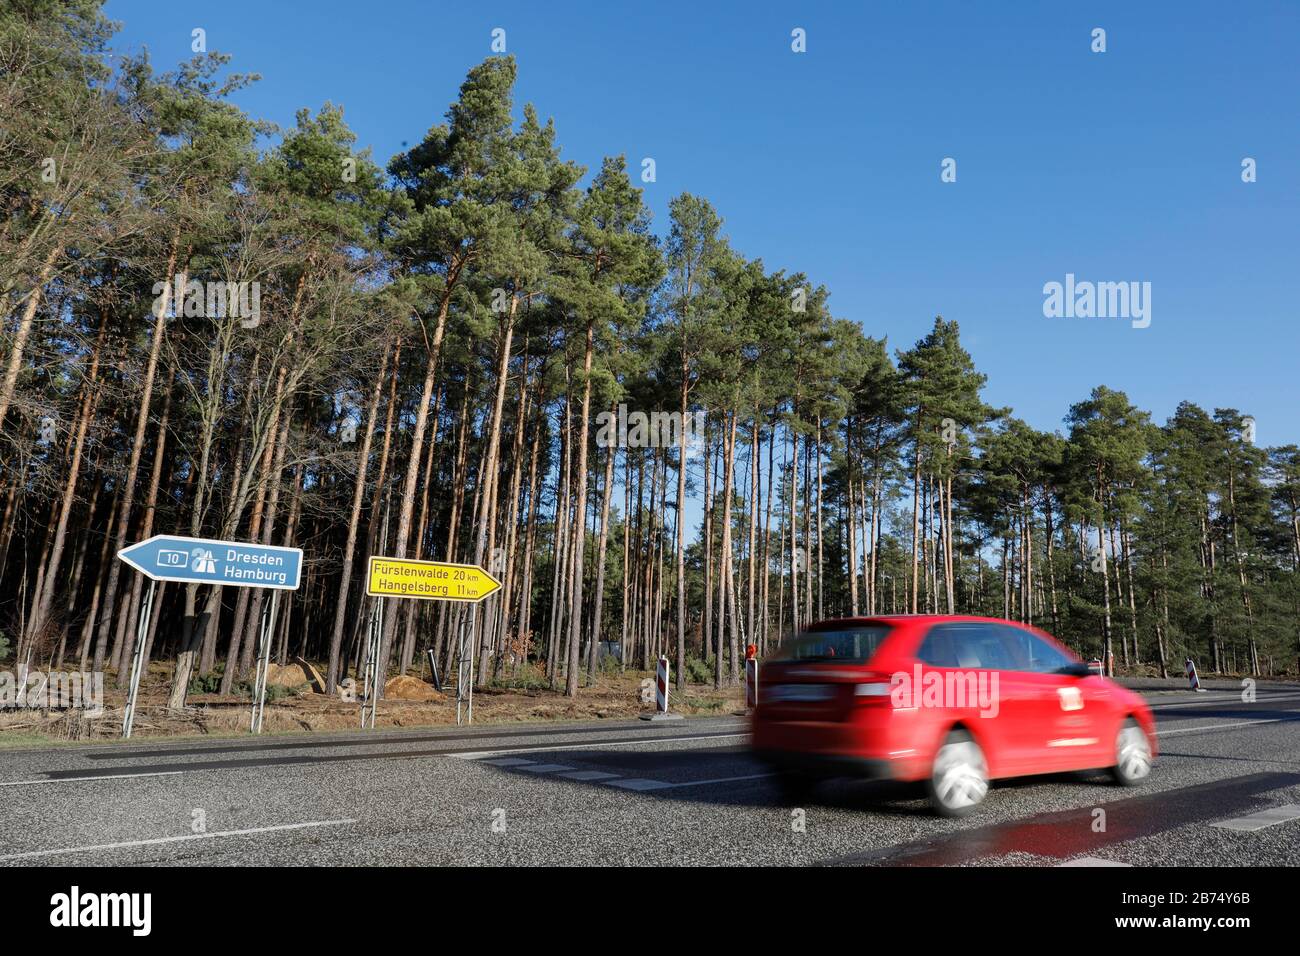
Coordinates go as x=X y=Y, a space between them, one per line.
x=519 y=697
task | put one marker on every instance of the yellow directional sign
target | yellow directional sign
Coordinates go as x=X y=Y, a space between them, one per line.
x=428 y=580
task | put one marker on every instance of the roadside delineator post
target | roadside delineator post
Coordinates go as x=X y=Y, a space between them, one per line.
x=751 y=678
x=661 y=694
x=433 y=669
x=1193 y=681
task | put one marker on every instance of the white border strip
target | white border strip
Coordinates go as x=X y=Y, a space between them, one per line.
x=105 y=776
x=1205 y=727
x=701 y=783
x=1264 y=818
x=590 y=745
x=176 y=839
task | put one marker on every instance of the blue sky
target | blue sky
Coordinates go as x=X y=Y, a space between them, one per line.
x=1115 y=166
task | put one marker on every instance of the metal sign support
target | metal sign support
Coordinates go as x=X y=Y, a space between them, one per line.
x=137 y=660
x=263 y=662
x=473 y=655
x=371 y=678
x=463 y=675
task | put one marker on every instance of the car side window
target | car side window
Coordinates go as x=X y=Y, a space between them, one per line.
x=973 y=645
x=1033 y=653
x=1004 y=649
x=938 y=649
x=1044 y=658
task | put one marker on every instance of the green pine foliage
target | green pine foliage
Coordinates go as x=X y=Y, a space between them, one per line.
x=438 y=337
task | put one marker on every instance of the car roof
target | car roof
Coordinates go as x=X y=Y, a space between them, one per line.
x=907 y=618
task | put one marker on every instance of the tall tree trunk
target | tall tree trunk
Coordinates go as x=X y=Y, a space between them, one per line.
x=560 y=538
x=795 y=554
x=534 y=509
x=754 y=488
x=579 y=522
x=916 y=523
x=821 y=613
x=146 y=531
x=133 y=465
x=407 y=507
x=710 y=479
x=33 y=300
x=599 y=597
x=725 y=577
x=354 y=522
x=853 y=524
x=89 y=399
x=681 y=530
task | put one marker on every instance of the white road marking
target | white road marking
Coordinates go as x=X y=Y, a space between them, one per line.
x=1092 y=861
x=544 y=768
x=588 y=775
x=701 y=783
x=1158 y=704
x=177 y=839
x=1258 y=821
x=109 y=776
x=590 y=745
x=641 y=784
x=508 y=762
x=1244 y=723
x=636 y=783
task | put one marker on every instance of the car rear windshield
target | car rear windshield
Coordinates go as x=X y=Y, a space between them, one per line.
x=847 y=645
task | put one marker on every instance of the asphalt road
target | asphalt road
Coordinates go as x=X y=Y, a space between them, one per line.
x=682 y=792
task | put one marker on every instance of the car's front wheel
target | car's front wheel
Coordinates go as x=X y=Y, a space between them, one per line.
x=960 y=777
x=1132 y=754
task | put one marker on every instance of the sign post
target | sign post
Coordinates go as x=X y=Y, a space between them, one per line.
x=428 y=581
x=240 y=564
x=142 y=632
x=370 y=677
x=465 y=679
x=263 y=661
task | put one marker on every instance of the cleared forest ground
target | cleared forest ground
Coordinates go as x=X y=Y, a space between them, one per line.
x=294 y=710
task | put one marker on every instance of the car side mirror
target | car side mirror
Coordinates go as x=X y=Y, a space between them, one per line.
x=1076 y=669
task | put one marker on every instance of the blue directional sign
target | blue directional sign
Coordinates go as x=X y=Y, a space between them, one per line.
x=166 y=557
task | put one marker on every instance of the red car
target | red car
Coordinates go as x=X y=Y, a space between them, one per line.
x=952 y=701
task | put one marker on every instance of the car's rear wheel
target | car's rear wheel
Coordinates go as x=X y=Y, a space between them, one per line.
x=1132 y=754
x=960 y=777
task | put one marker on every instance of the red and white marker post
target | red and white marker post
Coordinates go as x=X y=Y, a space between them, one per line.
x=751 y=678
x=661 y=694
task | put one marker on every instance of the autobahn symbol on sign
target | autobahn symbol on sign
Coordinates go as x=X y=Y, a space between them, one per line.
x=166 y=557
x=429 y=580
